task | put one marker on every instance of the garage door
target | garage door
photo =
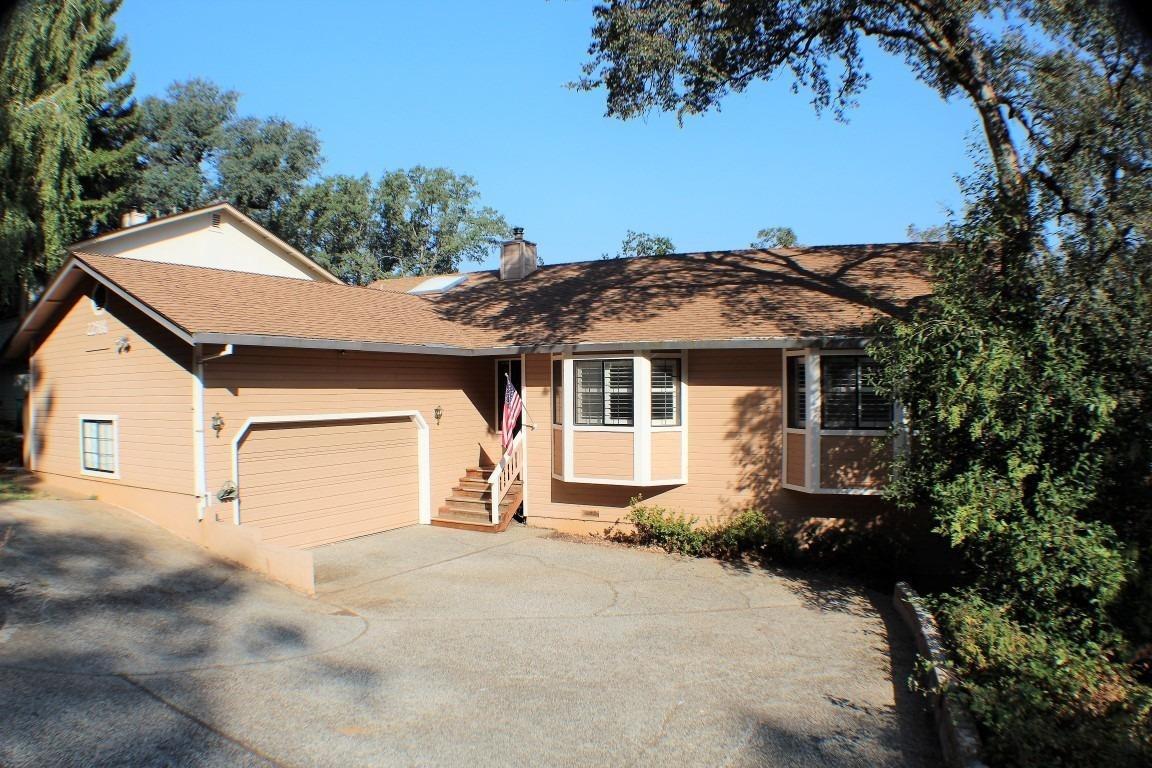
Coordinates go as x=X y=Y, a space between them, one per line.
x=305 y=484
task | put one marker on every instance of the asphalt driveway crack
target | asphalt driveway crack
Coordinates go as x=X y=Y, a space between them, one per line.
x=203 y=723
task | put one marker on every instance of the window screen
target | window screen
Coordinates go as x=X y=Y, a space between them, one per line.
x=99 y=445
x=665 y=392
x=604 y=392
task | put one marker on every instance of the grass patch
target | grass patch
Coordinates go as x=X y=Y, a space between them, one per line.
x=10 y=490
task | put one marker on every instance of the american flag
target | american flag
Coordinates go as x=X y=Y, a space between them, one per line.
x=513 y=407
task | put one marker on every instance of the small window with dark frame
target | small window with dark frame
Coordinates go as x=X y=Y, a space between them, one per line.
x=99 y=445
x=557 y=391
x=604 y=392
x=850 y=401
x=666 y=392
x=797 y=395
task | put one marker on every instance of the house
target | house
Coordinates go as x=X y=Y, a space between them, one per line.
x=203 y=373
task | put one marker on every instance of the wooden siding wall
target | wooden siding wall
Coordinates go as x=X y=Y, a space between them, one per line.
x=797 y=458
x=603 y=454
x=666 y=455
x=77 y=370
x=850 y=461
x=260 y=381
x=735 y=441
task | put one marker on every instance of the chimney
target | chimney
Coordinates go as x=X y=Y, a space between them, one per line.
x=517 y=256
x=132 y=218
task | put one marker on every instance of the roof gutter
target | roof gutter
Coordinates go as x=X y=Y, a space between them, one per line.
x=294 y=342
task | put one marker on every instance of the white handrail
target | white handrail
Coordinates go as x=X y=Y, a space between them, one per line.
x=505 y=474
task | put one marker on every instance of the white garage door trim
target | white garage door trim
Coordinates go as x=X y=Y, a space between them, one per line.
x=422 y=448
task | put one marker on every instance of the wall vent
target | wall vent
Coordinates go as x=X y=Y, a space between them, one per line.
x=216 y=220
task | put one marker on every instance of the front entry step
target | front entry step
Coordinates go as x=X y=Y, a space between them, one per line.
x=469 y=508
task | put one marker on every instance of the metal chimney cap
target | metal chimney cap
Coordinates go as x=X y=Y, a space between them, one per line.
x=517 y=233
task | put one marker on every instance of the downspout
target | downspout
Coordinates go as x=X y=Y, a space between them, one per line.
x=199 y=449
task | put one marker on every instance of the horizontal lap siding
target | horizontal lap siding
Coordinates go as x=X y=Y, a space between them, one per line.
x=849 y=461
x=603 y=454
x=796 y=457
x=734 y=449
x=309 y=484
x=257 y=381
x=148 y=386
x=666 y=455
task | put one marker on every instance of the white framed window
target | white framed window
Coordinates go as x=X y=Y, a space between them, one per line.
x=666 y=392
x=848 y=395
x=100 y=446
x=604 y=393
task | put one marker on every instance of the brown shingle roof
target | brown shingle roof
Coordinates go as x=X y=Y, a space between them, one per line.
x=748 y=294
x=753 y=294
x=204 y=300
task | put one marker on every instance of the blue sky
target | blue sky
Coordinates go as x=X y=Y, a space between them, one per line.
x=480 y=88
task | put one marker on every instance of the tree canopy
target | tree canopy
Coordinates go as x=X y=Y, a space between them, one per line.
x=775 y=237
x=642 y=244
x=1028 y=377
x=66 y=132
x=431 y=220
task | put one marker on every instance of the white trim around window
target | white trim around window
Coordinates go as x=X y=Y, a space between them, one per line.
x=814 y=430
x=100 y=445
x=642 y=427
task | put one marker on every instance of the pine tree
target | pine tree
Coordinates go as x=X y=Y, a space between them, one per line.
x=66 y=133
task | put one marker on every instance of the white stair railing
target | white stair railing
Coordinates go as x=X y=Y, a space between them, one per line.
x=506 y=472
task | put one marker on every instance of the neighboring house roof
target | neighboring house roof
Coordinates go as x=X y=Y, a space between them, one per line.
x=293 y=255
x=726 y=298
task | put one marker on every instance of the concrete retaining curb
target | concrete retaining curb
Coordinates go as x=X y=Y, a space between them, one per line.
x=959 y=739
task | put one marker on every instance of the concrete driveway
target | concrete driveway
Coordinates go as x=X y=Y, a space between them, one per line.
x=427 y=646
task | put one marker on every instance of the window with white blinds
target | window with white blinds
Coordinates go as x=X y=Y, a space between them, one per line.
x=98 y=445
x=849 y=396
x=665 y=392
x=797 y=392
x=604 y=392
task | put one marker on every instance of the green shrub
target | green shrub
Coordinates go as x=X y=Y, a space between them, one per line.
x=748 y=533
x=671 y=531
x=1041 y=699
x=752 y=533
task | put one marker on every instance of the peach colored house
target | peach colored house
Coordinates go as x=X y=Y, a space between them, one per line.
x=201 y=372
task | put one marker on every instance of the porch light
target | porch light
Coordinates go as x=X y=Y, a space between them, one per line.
x=217 y=423
x=438 y=413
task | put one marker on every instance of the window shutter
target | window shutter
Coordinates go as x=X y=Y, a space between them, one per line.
x=665 y=392
x=838 y=377
x=797 y=393
x=618 y=391
x=875 y=410
x=589 y=392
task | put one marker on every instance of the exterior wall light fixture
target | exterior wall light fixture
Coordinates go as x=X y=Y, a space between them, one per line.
x=217 y=423
x=438 y=412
